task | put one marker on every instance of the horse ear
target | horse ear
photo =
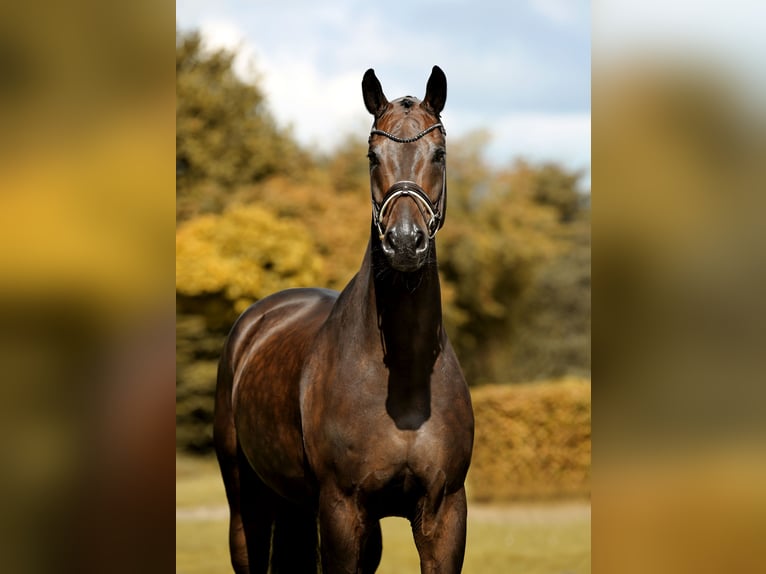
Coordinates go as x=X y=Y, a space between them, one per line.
x=374 y=98
x=436 y=91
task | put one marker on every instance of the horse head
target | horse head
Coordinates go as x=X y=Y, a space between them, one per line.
x=407 y=153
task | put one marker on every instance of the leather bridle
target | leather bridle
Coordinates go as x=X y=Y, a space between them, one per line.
x=411 y=189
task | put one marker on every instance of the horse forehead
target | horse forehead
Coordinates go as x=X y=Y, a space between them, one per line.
x=405 y=114
x=406 y=102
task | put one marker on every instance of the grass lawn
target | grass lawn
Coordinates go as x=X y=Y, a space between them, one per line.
x=531 y=538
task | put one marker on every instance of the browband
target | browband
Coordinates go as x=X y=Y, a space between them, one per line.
x=428 y=130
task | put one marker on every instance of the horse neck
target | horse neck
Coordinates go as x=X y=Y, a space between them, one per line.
x=403 y=310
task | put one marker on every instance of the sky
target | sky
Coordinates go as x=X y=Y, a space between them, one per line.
x=519 y=69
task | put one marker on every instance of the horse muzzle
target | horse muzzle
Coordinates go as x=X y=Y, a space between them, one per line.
x=405 y=245
x=405 y=242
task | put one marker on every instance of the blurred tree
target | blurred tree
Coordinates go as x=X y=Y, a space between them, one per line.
x=558 y=188
x=338 y=223
x=225 y=134
x=506 y=228
x=244 y=254
x=348 y=168
x=551 y=318
x=197 y=351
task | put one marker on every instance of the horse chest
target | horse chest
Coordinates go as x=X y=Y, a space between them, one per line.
x=376 y=456
x=368 y=436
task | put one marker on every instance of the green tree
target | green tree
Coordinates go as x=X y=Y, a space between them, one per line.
x=551 y=318
x=225 y=133
x=348 y=168
x=557 y=187
x=507 y=241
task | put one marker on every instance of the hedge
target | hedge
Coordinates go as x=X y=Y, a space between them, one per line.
x=532 y=441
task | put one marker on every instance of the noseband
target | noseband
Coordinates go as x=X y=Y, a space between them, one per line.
x=411 y=189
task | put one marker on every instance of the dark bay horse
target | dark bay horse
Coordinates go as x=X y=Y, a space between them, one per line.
x=334 y=410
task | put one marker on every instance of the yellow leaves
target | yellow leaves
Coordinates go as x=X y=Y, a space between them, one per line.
x=532 y=440
x=245 y=253
x=339 y=222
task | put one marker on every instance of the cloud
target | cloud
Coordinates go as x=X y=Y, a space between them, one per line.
x=564 y=138
x=221 y=34
x=557 y=11
x=321 y=109
x=224 y=34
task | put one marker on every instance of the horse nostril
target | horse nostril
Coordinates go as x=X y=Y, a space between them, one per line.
x=405 y=239
x=390 y=240
x=420 y=240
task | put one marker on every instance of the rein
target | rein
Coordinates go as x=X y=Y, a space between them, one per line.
x=411 y=189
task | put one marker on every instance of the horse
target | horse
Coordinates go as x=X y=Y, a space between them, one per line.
x=334 y=410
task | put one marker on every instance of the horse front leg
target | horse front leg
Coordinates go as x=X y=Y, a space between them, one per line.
x=439 y=529
x=350 y=541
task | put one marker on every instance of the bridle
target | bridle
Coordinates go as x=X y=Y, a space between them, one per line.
x=411 y=189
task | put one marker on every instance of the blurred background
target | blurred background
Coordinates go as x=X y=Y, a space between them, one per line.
x=679 y=142
x=86 y=288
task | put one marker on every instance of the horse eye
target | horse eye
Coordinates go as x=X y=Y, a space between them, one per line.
x=373 y=158
x=439 y=156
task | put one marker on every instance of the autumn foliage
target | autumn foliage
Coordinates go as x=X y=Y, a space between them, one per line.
x=532 y=441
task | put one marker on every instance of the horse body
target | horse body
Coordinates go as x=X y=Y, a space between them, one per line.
x=345 y=408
